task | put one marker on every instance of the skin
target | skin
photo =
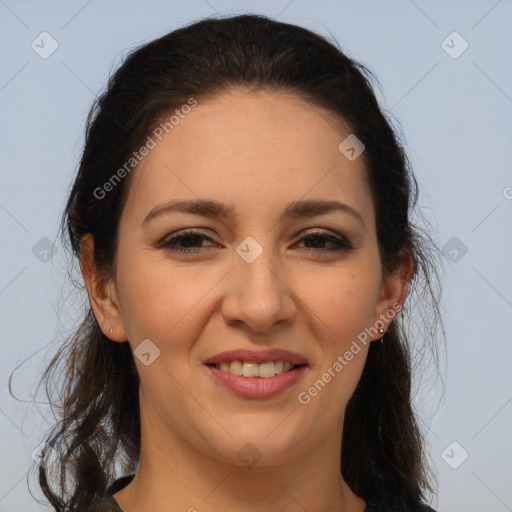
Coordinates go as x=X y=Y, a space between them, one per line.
x=257 y=152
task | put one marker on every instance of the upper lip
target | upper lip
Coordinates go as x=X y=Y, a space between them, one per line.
x=257 y=356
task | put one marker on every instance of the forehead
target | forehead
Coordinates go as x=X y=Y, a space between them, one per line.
x=250 y=147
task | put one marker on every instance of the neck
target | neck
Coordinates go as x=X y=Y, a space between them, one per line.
x=174 y=476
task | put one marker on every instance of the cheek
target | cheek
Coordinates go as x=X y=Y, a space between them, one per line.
x=344 y=305
x=161 y=302
x=343 y=302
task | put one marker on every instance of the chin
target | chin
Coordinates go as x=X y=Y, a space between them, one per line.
x=258 y=444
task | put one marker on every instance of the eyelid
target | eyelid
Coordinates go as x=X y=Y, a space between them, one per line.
x=336 y=238
x=339 y=241
x=323 y=232
x=183 y=233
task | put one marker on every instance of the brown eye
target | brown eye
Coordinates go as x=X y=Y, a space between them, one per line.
x=315 y=242
x=188 y=241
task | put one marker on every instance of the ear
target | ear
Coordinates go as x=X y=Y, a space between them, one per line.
x=102 y=293
x=393 y=290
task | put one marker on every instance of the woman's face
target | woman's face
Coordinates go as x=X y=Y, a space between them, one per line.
x=267 y=269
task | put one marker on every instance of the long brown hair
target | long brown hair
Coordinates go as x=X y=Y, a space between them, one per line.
x=93 y=381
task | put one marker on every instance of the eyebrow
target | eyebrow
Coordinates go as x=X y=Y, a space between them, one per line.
x=212 y=208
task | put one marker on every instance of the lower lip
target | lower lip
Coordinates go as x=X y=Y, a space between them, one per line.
x=256 y=387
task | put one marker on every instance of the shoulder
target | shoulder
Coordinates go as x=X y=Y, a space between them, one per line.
x=424 y=508
x=397 y=505
x=107 y=503
x=419 y=508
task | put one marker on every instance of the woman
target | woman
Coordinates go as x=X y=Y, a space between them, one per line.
x=241 y=218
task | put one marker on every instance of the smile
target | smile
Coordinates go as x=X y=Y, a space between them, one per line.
x=251 y=369
x=257 y=373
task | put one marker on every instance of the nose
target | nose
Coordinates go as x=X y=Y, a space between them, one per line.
x=258 y=296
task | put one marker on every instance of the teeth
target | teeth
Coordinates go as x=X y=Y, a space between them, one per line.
x=236 y=367
x=251 y=370
x=266 y=370
x=248 y=369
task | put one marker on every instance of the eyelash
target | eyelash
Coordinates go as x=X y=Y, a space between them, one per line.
x=340 y=244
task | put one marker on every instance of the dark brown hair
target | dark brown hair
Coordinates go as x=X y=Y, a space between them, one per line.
x=93 y=381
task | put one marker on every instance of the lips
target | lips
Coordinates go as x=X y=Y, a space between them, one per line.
x=252 y=385
x=257 y=356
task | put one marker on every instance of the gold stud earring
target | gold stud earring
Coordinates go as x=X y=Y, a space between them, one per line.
x=110 y=332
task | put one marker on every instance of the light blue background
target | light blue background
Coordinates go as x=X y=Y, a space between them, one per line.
x=456 y=115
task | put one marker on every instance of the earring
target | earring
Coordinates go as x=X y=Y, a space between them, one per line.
x=110 y=332
x=382 y=331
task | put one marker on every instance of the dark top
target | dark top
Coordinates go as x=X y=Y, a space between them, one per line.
x=109 y=504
